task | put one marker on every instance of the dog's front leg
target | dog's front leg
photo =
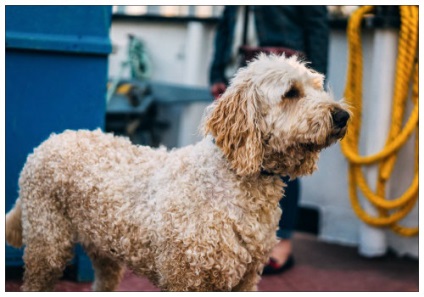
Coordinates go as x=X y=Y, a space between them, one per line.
x=248 y=283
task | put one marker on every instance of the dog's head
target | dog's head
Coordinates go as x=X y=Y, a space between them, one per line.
x=276 y=116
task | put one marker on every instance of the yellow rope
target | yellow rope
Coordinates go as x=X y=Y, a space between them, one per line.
x=390 y=212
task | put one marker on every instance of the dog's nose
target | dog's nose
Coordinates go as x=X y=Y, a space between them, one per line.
x=340 y=118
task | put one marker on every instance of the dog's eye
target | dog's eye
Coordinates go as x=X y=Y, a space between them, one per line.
x=292 y=93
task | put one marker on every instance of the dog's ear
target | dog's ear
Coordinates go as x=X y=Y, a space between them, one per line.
x=234 y=124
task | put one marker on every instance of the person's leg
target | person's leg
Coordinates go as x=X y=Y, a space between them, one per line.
x=281 y=253
x=289 y=204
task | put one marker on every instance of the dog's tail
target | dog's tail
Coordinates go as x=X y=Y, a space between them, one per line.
x=14 y=225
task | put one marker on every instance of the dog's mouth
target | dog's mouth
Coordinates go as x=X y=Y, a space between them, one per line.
x=312 y=147
x=334 y=136
x=339 y=133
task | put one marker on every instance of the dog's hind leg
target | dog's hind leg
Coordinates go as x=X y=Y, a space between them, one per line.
x=108 y=272
x=49 y=246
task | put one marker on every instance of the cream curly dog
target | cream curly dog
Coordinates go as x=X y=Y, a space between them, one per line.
x=199 y=218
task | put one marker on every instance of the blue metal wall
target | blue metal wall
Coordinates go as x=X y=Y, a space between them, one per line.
x=56 y=77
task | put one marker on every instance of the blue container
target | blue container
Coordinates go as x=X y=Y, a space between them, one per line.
x=56 y=78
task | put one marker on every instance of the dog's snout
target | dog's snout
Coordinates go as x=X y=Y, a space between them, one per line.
x=340 y=118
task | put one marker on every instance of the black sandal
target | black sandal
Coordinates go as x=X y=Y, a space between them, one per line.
x=273 y=268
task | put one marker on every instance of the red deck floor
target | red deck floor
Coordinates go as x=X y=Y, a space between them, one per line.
x=319 y=267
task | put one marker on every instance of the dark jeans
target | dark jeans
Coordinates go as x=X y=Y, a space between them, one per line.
x=289 y=205
x=302 y=28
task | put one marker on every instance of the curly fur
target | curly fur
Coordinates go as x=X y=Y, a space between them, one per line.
x=199 y=218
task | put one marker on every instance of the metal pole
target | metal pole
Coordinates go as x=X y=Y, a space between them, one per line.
x=194 y=55
x=373 y=241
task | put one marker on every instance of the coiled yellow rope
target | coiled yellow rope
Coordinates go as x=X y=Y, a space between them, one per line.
x=390 y=212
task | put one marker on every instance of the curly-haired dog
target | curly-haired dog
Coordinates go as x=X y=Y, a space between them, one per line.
x=199 y=218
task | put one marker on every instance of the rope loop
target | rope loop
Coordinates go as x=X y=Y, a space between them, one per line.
x=390 y=212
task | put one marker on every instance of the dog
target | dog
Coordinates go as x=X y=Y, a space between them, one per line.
x=199 y=218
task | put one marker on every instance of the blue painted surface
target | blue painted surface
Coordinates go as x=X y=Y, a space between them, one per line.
x=79 y=29
x=49 y=87
x=46 y=94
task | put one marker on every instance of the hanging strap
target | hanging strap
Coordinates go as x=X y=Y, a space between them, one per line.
x=245 y=24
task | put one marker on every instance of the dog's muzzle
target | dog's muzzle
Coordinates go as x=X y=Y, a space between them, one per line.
x=340 y=118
